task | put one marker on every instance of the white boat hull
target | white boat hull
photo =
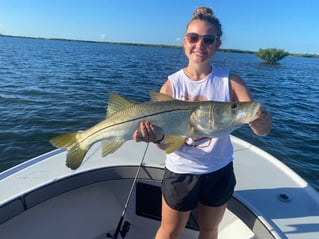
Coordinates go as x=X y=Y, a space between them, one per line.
x=42 y=198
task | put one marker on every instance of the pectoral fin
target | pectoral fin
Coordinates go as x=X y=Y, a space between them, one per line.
x=110 y=146
x=174 y=142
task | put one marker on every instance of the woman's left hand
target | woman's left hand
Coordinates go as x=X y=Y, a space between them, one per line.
x=147 y=133
x=262 y=125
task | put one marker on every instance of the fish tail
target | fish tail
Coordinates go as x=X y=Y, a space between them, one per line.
x=75 y=153
x=75 y=156
x=65 y=141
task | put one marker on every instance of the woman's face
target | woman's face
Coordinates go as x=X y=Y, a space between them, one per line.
x=200 y=47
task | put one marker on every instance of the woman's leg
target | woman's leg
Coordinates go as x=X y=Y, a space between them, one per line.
x=209 y=219
x=173 y=222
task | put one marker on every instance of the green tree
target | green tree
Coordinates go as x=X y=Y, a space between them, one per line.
x=271 y=55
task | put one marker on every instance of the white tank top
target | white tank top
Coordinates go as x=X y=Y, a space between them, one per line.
x=203 y=155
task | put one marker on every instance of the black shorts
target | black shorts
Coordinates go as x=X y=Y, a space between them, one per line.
x=182 y=192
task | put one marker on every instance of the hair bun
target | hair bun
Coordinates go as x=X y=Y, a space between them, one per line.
x=206 y=14
x=203 y=11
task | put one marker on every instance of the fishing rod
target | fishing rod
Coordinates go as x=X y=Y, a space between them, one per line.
x=124 y=229
x=119 y=229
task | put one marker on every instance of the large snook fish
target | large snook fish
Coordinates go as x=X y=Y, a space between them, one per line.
x=174 y=118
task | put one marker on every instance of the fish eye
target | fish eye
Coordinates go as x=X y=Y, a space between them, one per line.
x=234 y=106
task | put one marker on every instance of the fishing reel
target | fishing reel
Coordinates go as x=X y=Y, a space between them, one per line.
x=122 y=231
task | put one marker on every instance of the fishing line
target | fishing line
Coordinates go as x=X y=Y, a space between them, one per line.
x=124 y=230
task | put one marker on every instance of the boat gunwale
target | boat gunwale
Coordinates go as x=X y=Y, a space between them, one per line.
x=256 y=224
x=23 y=202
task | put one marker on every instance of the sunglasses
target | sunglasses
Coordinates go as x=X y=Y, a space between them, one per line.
x=207 y=39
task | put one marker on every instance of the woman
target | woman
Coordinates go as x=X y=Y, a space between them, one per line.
x=200 y=173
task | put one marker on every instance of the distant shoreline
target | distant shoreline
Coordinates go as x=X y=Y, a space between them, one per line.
x=150 y=45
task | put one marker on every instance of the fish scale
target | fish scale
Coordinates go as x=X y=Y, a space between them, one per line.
x=175 y=119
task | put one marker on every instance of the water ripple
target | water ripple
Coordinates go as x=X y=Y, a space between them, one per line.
x=53 y=87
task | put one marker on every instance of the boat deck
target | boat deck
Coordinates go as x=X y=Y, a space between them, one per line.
x=270 y=200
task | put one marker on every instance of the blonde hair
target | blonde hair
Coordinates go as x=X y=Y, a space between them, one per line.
x=206 y=14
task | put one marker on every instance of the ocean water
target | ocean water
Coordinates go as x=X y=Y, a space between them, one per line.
x=50 y=87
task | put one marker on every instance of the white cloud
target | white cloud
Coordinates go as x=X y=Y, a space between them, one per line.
x=179 y=41
x=103 y=37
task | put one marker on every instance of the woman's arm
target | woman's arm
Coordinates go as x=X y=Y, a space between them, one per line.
x=240 y=92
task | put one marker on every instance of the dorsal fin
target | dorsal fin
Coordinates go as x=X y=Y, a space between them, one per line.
x=157 y=96
x=117 y=103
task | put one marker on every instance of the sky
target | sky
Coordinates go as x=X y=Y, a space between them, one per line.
x=291 y=25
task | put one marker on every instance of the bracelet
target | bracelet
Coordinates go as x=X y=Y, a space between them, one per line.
x=160 y=141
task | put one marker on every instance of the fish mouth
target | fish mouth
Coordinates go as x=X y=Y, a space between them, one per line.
x=248 y=115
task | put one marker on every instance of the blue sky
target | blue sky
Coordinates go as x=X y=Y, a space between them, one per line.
x=291 y=25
